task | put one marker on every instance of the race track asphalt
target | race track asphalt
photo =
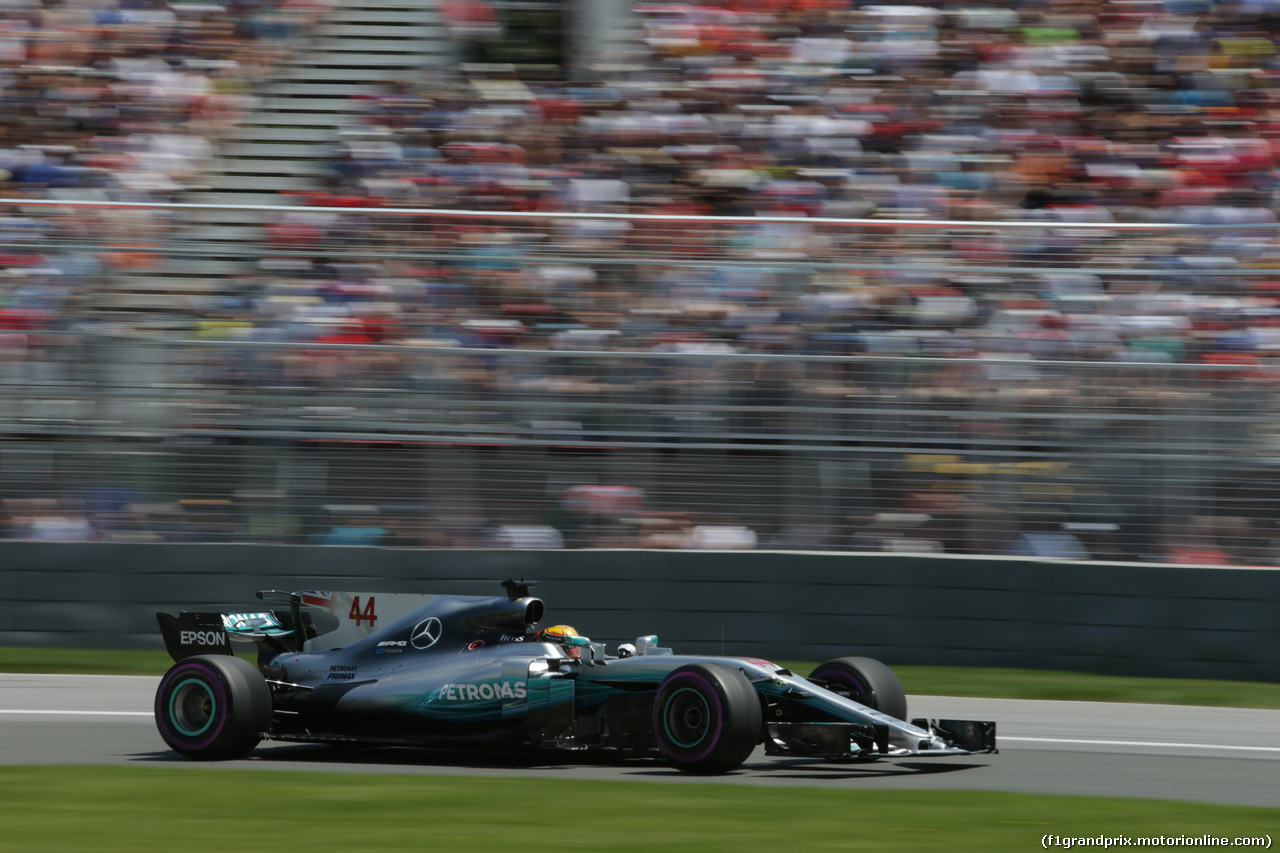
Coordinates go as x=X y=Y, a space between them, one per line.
x=1215 y=755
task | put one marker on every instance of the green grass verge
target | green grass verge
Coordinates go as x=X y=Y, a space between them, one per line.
x=938 y=681
x=136 y=810
x=1080 y=686
x=84 y=661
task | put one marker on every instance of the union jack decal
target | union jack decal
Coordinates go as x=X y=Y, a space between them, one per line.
x=322 y=598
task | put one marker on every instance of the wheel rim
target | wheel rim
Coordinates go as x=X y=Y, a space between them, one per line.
x=686 y=718
x=192 y=707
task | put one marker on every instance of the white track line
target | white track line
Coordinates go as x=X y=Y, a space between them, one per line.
x=15 y=676
x=1000 y=739
x=44 y=712
x=1164 y=745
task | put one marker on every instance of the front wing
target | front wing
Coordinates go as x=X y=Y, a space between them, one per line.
x=862 y=741
x=812 y=720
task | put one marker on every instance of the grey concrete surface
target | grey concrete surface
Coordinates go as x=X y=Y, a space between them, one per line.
x=1215 y=755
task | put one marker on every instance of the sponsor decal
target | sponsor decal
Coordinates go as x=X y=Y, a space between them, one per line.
x=391 y=647
x=485 y=690
x=426 y=633
x=509 y=638
x=342 y=673
x=202 y=638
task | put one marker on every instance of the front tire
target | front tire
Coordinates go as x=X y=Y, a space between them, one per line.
x=866 y=681
x=212 y=707
x=706 y=718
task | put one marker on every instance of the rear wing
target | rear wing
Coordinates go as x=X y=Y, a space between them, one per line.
x=303 y=621
x=211 y=633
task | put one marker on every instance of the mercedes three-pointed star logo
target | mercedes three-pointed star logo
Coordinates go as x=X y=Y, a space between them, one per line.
x=425 y=633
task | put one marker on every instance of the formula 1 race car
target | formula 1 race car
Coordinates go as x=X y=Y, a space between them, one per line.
x=414 y=670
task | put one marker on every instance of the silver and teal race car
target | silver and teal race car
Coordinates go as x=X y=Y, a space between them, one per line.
x=448 y=670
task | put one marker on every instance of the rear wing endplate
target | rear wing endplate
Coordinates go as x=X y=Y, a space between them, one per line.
x=189 y=634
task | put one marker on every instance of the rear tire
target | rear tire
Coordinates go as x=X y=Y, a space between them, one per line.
x=866 y=681
x=706 y=718
x=213 y=707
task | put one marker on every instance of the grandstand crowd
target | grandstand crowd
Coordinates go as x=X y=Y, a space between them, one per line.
x=127 y=99
x=1043 y=112
x=784 y=114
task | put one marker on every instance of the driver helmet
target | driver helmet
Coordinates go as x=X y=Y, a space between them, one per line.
x=558 y=634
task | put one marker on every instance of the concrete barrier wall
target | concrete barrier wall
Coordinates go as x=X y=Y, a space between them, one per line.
x=1098 y=617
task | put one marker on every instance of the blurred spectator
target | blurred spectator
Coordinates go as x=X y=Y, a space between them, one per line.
x=524 y=536
x=1055 y=544
x=724 y=536
x=48 y=520
x=352 y=525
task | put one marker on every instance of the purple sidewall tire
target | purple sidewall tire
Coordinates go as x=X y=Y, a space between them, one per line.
x=706 y=718
x=868 y=682
x=856 y=686
x=711 y=694
x=217 y=686
x=213 y=707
